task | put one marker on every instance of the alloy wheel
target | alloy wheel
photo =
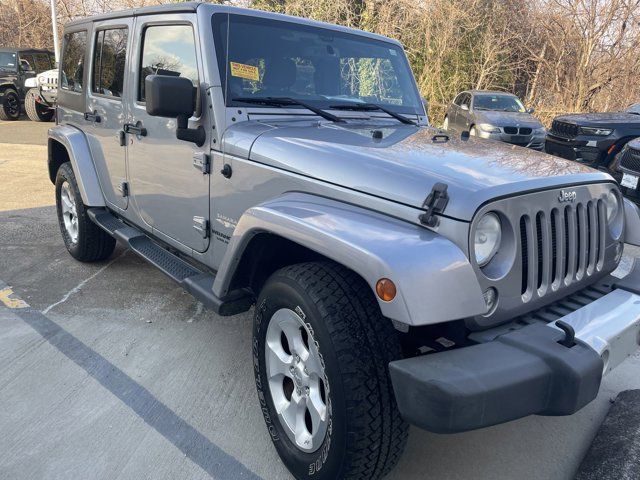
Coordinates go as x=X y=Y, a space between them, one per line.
x=297 y=380
x=69 y=211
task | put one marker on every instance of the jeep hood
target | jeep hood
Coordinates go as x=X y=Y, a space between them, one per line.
x=7 y=77
x=405 y=164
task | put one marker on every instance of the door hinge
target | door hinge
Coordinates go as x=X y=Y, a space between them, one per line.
x=123 y=188
x=201 y=225
x=202 y=162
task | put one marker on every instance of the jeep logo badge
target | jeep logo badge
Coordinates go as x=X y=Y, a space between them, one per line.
x=567 y=196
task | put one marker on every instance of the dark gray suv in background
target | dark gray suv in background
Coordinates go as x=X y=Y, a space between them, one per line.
x=496 y=115
x=593 y=138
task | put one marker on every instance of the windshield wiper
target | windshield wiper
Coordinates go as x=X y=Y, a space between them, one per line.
x=284 y=101
x=364 y=107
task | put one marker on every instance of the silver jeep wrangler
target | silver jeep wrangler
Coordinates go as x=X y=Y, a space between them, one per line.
x=400 y=275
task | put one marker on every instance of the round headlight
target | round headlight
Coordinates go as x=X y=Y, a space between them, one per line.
x=487 y=238
x=612 y=204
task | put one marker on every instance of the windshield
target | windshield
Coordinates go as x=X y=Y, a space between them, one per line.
x=503 y=103
x=8 y=61
x=261 y=58
x=635 y=108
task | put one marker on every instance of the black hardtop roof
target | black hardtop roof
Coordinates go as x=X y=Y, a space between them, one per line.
x=134 y=12
x=191 y=7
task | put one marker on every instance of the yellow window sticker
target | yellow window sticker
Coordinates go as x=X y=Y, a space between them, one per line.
x=245 y=71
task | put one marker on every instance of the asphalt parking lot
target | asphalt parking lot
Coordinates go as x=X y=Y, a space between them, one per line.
x=111 y=371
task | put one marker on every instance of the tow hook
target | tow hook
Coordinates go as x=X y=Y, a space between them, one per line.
x=569 y=334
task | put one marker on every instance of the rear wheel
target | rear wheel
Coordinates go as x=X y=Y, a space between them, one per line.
x=321 y=355
x=10 y=105
x=84 y=240
x=36 y=111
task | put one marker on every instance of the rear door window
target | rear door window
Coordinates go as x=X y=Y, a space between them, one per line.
x=109 y=61
x=75 y=45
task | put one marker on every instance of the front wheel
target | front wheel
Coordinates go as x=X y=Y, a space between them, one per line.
x=84 y=240
x=321 y=353
x=36 y=111
x=10 y=105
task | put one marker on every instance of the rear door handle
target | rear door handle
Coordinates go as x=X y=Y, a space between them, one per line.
x=92 y=116
x=136 y=129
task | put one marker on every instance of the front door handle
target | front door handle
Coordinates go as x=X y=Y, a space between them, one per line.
x=92 y=116
x=136 y=129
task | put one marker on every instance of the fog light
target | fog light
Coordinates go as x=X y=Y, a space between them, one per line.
x=386 y=289
x=490 y=299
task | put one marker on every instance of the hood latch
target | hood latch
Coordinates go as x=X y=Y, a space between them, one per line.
x=435 y=203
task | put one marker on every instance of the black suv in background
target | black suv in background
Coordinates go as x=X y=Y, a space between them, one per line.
x=593 y=138
x=626 y=170
x=16 y=66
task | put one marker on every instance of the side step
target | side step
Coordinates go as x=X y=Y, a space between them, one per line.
x=196 y=282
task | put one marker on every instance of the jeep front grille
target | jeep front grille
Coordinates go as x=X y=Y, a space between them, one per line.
x=564 y=129
x=630 y=160
x=561 y=246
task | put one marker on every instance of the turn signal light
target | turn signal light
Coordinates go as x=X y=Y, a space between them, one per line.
x=386 y=289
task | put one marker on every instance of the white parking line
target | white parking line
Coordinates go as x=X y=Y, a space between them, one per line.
x=78 y=287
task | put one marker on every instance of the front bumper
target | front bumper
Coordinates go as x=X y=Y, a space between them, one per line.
x=535 y=142
x=588 y=150
x=523 y=372
x=48 y=96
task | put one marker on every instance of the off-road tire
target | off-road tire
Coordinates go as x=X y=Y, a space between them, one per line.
x=9 y=105
x=367 y=435
x=35 y=111
x=93 y=244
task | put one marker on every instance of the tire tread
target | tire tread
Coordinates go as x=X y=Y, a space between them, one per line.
x=94 y=244
x=365 y=341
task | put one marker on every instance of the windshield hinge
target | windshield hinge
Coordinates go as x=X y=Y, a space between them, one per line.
x=202 y=162
x=435 y=203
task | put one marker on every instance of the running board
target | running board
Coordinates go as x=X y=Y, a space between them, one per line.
x=196 y=282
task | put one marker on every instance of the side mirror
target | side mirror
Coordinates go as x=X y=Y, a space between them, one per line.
x=173 y=97
x=464 y=107
x=530 y=110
